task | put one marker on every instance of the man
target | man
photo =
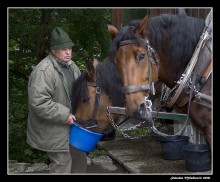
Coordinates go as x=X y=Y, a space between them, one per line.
x=49 y=119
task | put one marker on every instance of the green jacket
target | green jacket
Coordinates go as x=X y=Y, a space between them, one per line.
x=49 y=106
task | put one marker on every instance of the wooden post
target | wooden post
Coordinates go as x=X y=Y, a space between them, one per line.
x=118 y=18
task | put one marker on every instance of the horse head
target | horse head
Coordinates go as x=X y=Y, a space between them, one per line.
x=91 y=105
x=136 y=64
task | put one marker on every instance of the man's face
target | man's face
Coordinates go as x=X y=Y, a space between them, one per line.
x=64 y=55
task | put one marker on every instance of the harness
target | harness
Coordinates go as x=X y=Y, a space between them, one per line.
x=197 y=71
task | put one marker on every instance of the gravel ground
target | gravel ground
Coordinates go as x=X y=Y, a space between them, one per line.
x=101 y=164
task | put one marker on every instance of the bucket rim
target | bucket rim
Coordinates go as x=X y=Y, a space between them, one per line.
x=92 y=132
x=186 y=148
x=176 y=138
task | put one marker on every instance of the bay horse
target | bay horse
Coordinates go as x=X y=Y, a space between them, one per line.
x=160 y=49
x=91 y=97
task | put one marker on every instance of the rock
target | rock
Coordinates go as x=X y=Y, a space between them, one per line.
x=37 y=167
x=18 y=167
x=15 y=167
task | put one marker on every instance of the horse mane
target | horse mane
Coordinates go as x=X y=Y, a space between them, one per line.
x=176 y=37
x=79 y=91
x=107 y=78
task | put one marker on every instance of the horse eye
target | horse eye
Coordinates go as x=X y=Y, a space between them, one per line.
x=141 y=56
x=85 y=99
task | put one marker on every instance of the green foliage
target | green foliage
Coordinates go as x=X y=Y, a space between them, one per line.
x=134 y=133
x=97 y=152
x=88 y=30
x=18 y=148
x=23 y=27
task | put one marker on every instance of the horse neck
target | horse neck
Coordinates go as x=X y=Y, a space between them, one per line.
x=174 y=50
x=166 y=74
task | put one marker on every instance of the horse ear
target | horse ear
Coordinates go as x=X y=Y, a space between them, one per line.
x=112 y=30
x=89 y=69
x=95 y=62
x=142 y=26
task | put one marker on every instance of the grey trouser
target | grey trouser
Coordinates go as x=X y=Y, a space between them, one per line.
x=62 y=162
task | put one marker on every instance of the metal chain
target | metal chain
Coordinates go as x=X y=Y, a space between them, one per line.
x=166 y=93
x=196 y=88
x=108 y=113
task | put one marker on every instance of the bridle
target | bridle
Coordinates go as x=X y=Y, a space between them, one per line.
x=97 y=97
x=152 y=58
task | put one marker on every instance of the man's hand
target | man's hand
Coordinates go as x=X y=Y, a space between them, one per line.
x=70 y=119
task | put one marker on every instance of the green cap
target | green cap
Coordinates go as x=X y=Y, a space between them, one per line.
x=60 y=39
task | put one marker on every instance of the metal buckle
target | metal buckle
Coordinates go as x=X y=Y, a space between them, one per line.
x=98 y=90
x=148 y=103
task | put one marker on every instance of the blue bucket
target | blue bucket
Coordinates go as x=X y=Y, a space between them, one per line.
x=83 y=139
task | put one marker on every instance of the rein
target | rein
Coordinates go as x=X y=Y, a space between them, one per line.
x=97 y=97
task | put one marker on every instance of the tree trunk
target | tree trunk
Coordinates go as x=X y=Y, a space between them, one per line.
x=156 y=12
x=118 y=18
x=44 y=34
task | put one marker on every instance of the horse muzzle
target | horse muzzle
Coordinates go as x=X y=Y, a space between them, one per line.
x=144 y=108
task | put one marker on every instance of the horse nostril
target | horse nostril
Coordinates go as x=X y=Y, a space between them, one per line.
x=142 y=109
